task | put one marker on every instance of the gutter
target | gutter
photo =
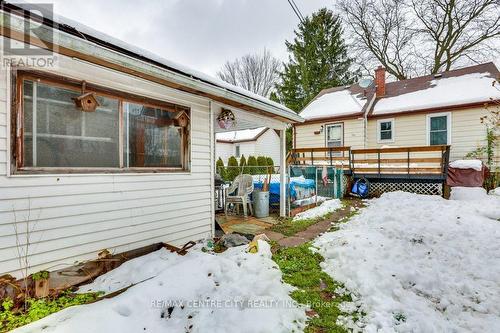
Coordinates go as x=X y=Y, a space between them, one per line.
x=73 y=41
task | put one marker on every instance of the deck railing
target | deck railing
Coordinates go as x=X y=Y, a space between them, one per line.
x=401 y=160
x=417 y=160
x=339 y=156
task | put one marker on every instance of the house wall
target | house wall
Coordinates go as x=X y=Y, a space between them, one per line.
x=353 y=134
x=268 y=144
x=224 y=151
x=467 y=132
x=73 y=217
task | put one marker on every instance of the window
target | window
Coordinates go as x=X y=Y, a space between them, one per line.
x=237 y=153
x=335 y=138
x=334 y=135
x=151 y=138
x=124 y=132
x=385 y=130
x=438 y=128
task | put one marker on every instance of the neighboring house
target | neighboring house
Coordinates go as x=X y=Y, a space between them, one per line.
x=136 y=170
x=260 y=141
x=445 y=108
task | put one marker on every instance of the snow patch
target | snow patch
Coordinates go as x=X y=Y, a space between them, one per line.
x=467 y=164
x=199 y=292
x=468 y=193
x=419 y=263
x=326 y=207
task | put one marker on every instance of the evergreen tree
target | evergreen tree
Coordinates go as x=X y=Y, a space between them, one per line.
x=270 y=165
x=317 y=60
x=243 y=164
x=262 y=163
x=252 y=165
x=219 y=166
x=233 y=169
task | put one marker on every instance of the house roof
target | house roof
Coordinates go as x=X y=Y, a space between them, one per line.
x=195 y=77
x=337 y=102
x=240 y=136
x=460 y=87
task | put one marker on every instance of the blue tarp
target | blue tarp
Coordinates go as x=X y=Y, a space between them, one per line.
x=274 y=187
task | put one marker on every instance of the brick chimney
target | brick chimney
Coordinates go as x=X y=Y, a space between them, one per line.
x=380 y=81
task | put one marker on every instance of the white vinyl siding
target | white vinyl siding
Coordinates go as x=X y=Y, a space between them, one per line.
x=73 y=217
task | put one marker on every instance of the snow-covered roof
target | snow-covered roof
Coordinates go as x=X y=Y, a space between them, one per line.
x=463 y=86
x=243 y=135
x=334 y=103
x=82 y=31
x=442 y=92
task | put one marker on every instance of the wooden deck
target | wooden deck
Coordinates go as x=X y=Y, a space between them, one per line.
x=249 y=225
x=414 y=164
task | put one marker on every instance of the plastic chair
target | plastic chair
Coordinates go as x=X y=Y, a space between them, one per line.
x=243 y=186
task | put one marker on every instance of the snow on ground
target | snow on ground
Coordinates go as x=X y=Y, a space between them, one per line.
x=311 y=200
x=495 y=191
x=467 y=164
x=468 y=193
x=326 y=207
x=234 y=291
x=420 y=263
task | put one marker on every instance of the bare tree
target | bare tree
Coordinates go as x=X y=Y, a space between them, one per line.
x=257 y=73
x=416 y=37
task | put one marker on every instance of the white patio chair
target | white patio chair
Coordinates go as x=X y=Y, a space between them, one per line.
x=239 y=193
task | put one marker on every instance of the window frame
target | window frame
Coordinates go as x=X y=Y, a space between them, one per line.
x=379 y=130
x=448 y=126
x=341 y=137
x=17 y=126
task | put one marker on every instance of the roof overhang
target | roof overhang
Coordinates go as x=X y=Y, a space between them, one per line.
x=76 y=46
x=450 y=108
x=356 y=115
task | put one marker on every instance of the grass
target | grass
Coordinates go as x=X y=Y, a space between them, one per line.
x=288 y=227
x=301 y=268
x=36 y=309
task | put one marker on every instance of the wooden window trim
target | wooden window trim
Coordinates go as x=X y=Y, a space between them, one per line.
x=17 y=126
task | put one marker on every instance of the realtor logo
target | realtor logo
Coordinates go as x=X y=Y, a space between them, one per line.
x=28 y=34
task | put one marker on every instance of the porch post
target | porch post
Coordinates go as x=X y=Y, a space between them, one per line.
x=283 y=168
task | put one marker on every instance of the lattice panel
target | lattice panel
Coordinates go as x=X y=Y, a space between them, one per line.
x=376 y=189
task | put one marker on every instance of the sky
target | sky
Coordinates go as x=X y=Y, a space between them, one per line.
x=201 y=34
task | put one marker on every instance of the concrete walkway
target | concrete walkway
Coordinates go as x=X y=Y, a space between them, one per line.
x=316 y=229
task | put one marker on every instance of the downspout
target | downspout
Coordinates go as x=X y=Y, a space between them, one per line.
x=365 y=120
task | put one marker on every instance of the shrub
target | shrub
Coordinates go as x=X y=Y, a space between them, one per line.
x=262 y=163
x=233 y=169
x=243 y=164
x=219 y=166
x=252 y=165
x=270 y=164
